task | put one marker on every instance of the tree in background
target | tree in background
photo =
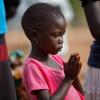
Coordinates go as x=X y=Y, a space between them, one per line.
x=79 y=15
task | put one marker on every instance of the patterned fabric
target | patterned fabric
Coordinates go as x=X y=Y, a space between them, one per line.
x=39 y=76
x=92 y=84
x=7 y=88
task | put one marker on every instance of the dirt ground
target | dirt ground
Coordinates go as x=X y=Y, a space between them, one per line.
x=79 y=39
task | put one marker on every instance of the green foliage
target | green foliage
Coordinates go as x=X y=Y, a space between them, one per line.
x=78 y=10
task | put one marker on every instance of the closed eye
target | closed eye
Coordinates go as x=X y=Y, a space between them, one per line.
x=55 y=35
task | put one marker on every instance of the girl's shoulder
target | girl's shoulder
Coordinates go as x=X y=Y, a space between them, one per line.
x=30 y=61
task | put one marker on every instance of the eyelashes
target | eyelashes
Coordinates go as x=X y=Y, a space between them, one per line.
x=55 y=35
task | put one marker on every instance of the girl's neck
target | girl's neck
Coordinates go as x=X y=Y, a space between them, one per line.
x=38 y=54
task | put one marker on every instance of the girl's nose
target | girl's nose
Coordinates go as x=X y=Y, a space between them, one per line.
x=60 y=40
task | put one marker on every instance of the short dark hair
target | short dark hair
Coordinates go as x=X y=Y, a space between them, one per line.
x=39 y=15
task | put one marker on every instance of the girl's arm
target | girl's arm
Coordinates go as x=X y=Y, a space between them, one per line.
x=77 y=85
x=92 y=12
x=58 y=95
x=72 y=69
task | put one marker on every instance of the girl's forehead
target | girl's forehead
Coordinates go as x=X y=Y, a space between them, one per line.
x=56 y=23
x=60 y=22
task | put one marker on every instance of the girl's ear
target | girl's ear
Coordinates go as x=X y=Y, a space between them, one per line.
x=33 y=35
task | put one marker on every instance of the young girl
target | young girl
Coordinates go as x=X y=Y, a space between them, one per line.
x=46 y=76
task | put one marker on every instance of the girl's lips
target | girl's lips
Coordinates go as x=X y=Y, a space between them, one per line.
x=59 y=48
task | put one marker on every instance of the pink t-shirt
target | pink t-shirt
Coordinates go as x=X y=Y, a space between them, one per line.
x=38 y=76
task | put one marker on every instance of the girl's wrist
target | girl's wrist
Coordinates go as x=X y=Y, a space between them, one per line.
x=67 y=80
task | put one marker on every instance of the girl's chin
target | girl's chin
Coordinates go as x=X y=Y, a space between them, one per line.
x=55 y=52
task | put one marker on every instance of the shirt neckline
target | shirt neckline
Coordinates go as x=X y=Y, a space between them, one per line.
x=51 y=68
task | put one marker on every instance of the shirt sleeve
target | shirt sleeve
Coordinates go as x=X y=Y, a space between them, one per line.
x=34 y=78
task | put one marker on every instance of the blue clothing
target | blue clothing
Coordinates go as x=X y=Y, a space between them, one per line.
x=3 y=25
x=7 y=88
x=94 y=58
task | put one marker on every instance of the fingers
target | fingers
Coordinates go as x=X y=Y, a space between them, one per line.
x=77 y=68
x=74 y=66
x=74 y=58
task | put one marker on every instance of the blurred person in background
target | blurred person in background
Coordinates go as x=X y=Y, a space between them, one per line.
x=11 y=8
x=16 y=60
x=7 y=88
x=92 y=82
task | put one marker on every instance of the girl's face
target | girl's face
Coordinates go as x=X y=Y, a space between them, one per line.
x=51 y=39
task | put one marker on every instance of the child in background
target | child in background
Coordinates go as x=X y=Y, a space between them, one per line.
x=45 y=74
x=16 y=59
